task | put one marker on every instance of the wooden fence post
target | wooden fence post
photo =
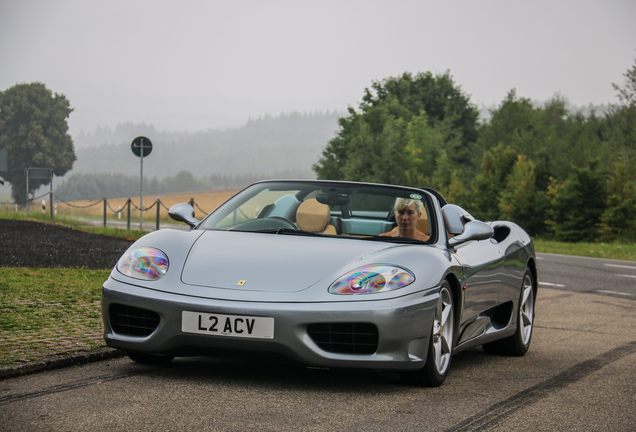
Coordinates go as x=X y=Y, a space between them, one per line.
x=158 y=205
x=128 y=214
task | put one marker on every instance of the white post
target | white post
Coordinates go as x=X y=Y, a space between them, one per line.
x=27 y=191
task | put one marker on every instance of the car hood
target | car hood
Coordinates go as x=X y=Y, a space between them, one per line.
x=272 y=262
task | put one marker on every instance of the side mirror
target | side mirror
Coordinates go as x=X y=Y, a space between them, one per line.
x=183 y=213
x=455 y=218
x=473 y=230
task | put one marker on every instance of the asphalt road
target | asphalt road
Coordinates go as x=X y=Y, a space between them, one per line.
x=579 y=375
x=588 y=275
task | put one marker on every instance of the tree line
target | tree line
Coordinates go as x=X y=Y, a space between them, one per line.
x=34 y=133
x=558 y=173
x=99 y=186
x=264 y=145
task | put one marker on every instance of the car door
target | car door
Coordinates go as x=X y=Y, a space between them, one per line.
x=482 y=262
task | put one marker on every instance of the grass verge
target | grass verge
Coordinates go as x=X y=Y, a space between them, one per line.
x=76 y=224
x=618 y=251
x=49 y=312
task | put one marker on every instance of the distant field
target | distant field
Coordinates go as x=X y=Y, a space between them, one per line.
x=205 y=201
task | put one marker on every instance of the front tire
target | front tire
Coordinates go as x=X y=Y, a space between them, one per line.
x=440 y=348
x=519 y=343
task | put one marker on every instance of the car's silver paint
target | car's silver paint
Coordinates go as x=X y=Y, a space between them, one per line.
x=271 y=278
x=293 y=290
x=269 y=262
x=403 y=342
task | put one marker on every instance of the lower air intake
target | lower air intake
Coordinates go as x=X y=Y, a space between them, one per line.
x=345 y=338
x=132 y=321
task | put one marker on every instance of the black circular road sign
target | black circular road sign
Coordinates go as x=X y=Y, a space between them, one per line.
x=141 y=145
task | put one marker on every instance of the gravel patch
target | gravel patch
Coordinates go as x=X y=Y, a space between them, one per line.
x=38 y=245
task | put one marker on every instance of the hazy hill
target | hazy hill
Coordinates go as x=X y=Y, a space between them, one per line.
x=288 y=142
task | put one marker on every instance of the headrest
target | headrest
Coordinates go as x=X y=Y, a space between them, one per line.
x=423 y=224
x=312 y=216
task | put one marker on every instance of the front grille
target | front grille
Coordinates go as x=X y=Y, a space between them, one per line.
x=132 y=321
x=345 y=338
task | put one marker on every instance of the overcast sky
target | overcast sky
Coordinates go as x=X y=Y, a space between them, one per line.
x=197 y=64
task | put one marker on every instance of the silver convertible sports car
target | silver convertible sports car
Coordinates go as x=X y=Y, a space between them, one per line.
x=329 y=274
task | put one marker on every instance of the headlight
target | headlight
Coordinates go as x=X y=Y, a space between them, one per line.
x=143 y=263
x=372 y=279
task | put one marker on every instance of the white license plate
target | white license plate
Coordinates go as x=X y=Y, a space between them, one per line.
x=227 y=325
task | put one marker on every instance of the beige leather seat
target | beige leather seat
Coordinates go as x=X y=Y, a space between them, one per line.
x=314 y=217
x=423 y=224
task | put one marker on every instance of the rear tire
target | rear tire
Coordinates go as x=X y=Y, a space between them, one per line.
x=519 y=343
x=440 y=348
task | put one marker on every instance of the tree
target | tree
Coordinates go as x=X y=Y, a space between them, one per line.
x=520 y=201
x=34 y=131
x=513 y=118
x=335 y=154
x=394 y=116
x=375 y=147
x=183 y=181
x=446 y=180
x=622 y=119
x=617 y=221
x=577 y=205
x=528 y=130
x=627 y=92
x=497 y=165
x=437 y=95
x=423 y=147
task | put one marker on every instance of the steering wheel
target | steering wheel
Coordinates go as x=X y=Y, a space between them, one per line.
x=284 y=221
x=268 y=223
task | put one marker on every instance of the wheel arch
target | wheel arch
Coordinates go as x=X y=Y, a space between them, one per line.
x=456 y=291
x=532 y=266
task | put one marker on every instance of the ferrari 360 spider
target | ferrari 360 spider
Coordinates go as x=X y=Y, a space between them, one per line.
x=329 y=274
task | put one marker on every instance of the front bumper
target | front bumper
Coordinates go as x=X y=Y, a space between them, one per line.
x=403 y=327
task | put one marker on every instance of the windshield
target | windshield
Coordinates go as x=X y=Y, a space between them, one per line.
x=322 y=208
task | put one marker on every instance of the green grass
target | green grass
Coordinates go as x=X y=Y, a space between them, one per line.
x=75 y=224
x=619 y=251
x=49 y=312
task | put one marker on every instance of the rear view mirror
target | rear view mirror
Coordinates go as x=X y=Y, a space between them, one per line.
x=332 y=199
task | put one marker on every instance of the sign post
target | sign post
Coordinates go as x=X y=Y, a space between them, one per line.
x=40 y=174
x=4 y=163
x=141 y=146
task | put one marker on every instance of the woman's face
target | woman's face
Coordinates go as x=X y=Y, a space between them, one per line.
x=407 y=217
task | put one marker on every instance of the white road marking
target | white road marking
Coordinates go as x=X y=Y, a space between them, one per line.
x=629 y=276
x=621 y=266
x=615 y=292
x=552 y=284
